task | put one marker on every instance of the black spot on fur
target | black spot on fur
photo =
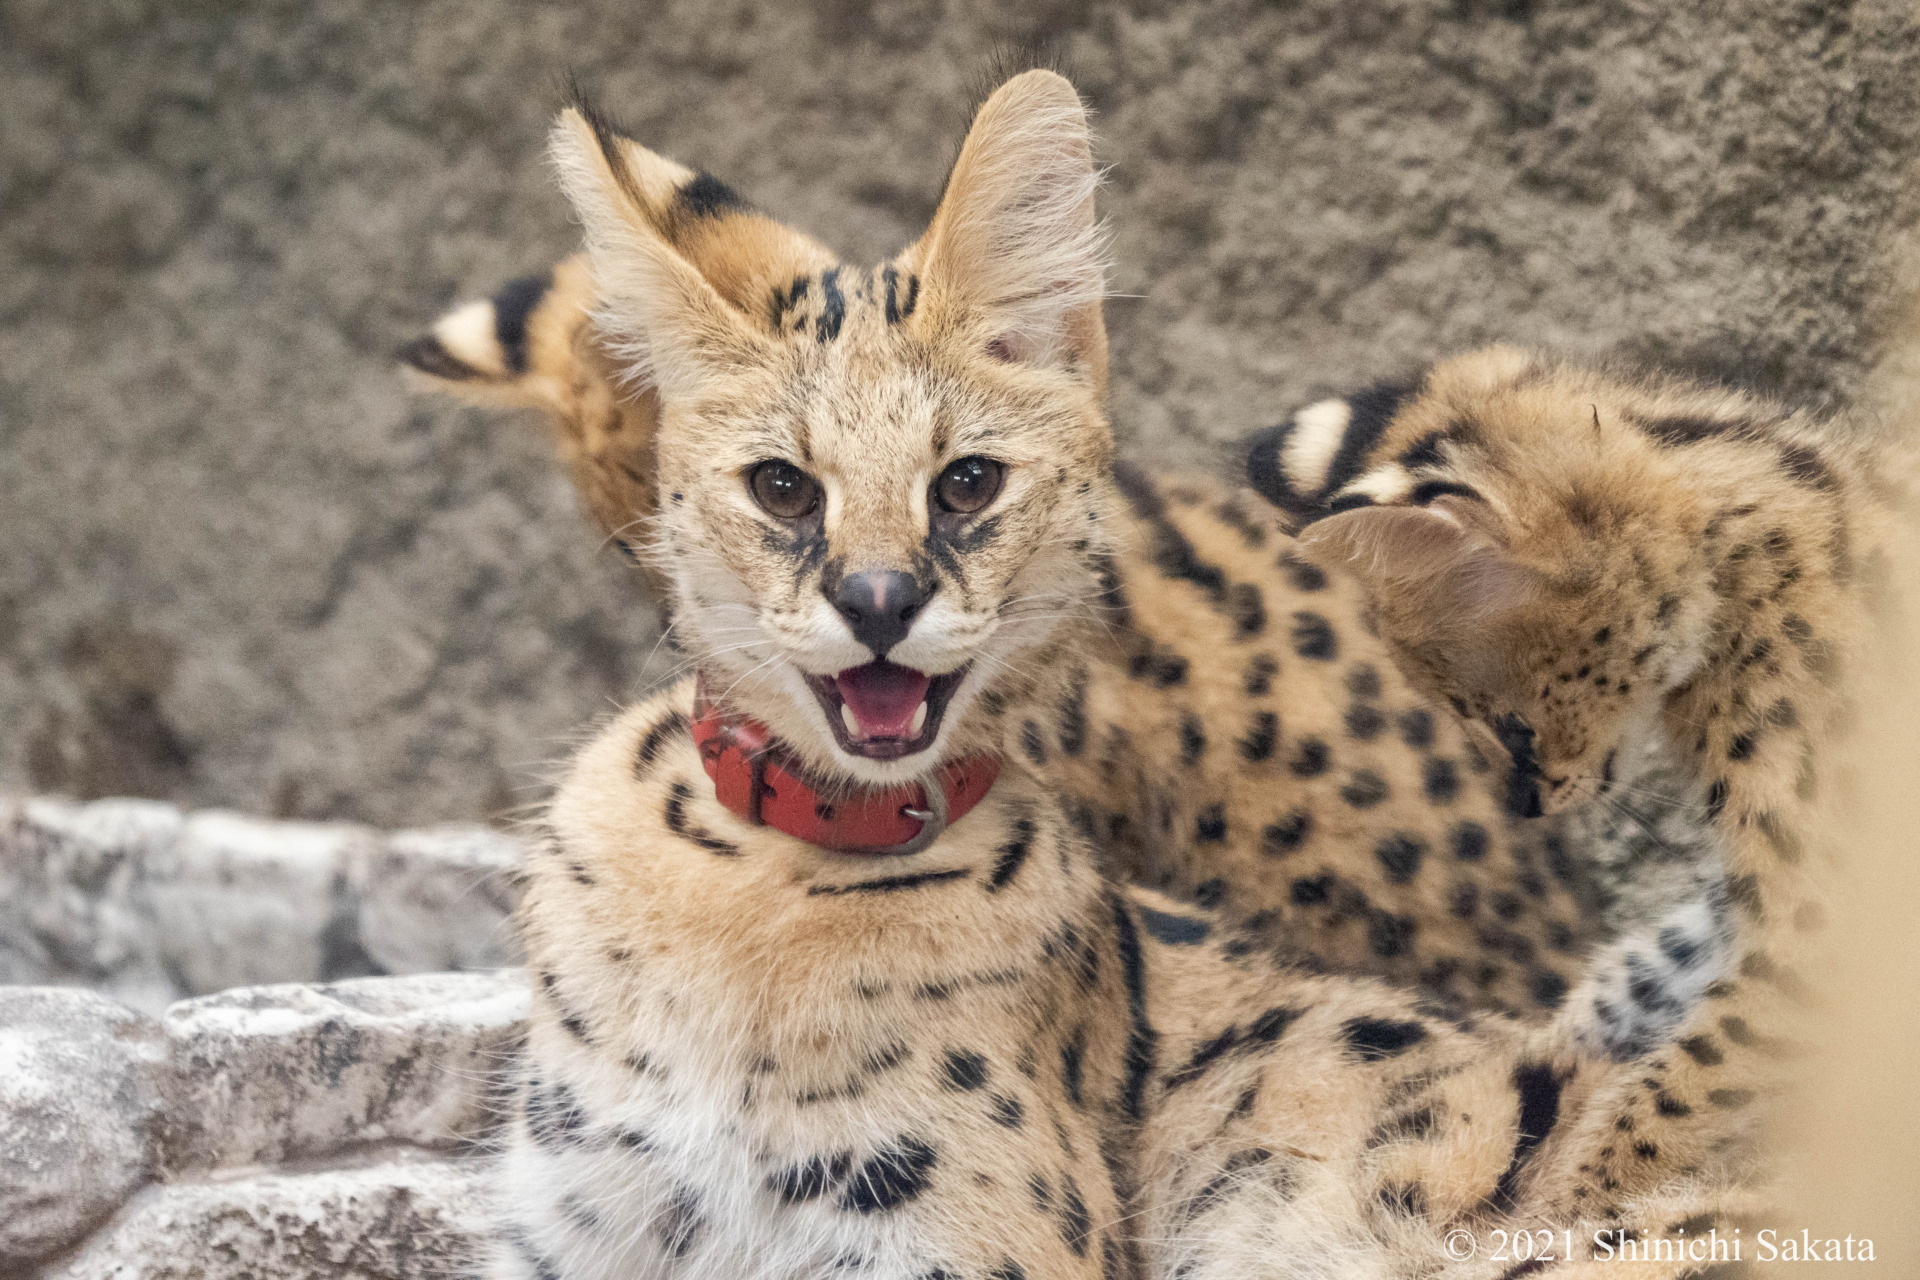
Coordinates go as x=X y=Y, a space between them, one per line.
x=1006 y=1111
x=891 y=1177
x=1247 y=609
x=1258 y=680
x=1440 y=779
x=1703 y=1050
x=810 y=1179
x=1416 y=728
x=1807 y=467
x=964 y=1069
x=1193 y=739
x=1032 y=743
x=1365 y=721
x=1311 y=758
x=1400 y=855
x=1263 y=733
x=555 y=1117
x=1210 y=827
x=1175 y=931
x=1371 y=1039
x=1313 y=637
x=1286 y=834
x=1364 y=789
x=1303 y=575
x=1388 y=934
x=1311 y=891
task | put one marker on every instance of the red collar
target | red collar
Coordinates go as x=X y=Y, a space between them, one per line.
x=763 y=783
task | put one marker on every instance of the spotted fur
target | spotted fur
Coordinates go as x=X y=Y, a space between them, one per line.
x=750 y=1058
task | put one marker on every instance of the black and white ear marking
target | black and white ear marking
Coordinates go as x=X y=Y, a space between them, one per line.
x=481 y=341
x=1311 y=465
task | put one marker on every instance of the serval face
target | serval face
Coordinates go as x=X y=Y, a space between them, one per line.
x=881 y=492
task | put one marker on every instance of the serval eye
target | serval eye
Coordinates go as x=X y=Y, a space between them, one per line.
x=968 y=484
x=783 y=489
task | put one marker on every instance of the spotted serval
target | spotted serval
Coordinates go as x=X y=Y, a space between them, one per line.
x=1230 y=731
x=886 y=516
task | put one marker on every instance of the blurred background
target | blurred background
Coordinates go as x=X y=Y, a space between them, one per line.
x=239 y=566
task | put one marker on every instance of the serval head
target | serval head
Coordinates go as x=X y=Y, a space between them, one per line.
x=881 y=493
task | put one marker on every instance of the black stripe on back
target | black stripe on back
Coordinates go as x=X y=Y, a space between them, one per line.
x=833 y=307
x=705 y=196
x=1677 y=432
x=1142 y=1039
x=511 y=308
x=1539 y=1090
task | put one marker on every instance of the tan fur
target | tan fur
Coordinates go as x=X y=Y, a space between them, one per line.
x=753 y=1057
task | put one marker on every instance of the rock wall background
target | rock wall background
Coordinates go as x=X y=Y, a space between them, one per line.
x=242 y=568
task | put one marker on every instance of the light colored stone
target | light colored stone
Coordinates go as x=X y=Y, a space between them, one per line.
x=72 y=896
x=395 y=1219
x=441 y=898
x=135 y=900
x=76 y=1094
x=242 y=901
x=268 y=1075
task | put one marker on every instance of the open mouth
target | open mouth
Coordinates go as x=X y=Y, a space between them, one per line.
x=883 y=711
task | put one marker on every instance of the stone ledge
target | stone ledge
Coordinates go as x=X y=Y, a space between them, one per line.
x=392 y=1220
x=98 y=1100
x=149 y=905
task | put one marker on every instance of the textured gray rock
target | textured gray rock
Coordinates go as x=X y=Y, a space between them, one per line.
x=391 y=1220
x=285 y=1131
x=148 y=906
x=272 y=1075
x=77 y=1092
x=243 y=569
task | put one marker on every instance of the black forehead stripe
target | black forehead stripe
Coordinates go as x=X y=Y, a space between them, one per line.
x=1677 y=432
x=511 y=307
x=705 y=196
x=833 y=308
x=899 y=307
x=786 y=300
x=1369 y=411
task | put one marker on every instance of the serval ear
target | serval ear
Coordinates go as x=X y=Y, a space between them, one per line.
x=685 y=269
x=1442 y=586
x=534 y=345
x=1014 y=259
